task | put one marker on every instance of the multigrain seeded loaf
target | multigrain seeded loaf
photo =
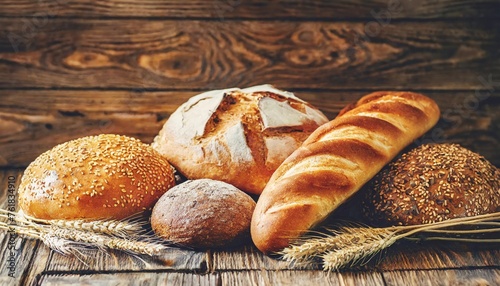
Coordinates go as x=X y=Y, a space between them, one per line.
x=432 y=183
x=239 y=136
x=335 y=162
x=95 y=177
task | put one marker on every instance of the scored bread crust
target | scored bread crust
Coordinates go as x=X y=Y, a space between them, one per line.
x=335 y=162
x=238 y=136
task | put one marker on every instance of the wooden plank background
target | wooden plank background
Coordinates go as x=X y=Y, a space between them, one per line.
x=64 y=75
x=75 y=68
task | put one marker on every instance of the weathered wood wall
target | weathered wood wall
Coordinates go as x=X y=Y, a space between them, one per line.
x=69 y=69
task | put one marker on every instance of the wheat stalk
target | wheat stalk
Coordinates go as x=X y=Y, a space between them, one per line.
x=352 y=254
x=121 y=228
x=305 y=252
x=347 y=245
x=68 y=238
x=104 y=241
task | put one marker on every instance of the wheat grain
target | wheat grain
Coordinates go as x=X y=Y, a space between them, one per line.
x=61 y=245
x=306 y=251
x=124 y=228
x=351 y=254
x=68 y=238
x=348 y=245
x=103 y=241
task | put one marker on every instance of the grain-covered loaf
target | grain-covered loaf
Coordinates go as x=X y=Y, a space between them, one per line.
x=95 y=177
x=335 y=162
x=432 y=183
x=239 y=136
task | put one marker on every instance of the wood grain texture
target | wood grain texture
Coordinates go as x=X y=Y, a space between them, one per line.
x=219 y=278
x=402 y=256
x=248 y=258
x=302 y=277
x=203 y=55
x=122 y=279
x=38 y=264
x=434 y=255
x=245 y=9
x=33 y=121
x=17 y=254
x=475 y=277
x=174 y=258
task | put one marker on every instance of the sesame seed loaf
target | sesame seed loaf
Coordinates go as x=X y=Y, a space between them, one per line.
x=239 y=136
x=335 y=162
x=432 y=183
x=95 y=177
x=203 y=214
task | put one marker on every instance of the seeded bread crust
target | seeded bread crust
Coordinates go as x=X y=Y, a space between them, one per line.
x=95 y=177
x=432 y=183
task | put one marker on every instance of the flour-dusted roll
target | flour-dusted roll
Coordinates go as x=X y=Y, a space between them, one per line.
x=335 y=162
x=238 y=136
x=95 y=177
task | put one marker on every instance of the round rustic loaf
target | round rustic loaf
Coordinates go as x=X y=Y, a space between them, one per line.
x=95 y=177
x=432 y=183
x=239 y=136
x=203 y=214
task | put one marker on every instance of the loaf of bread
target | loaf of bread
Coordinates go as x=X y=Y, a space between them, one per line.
x=335 y=162
x=203 y=214
x=239 y=136
x=432 y=183
x=96 y=177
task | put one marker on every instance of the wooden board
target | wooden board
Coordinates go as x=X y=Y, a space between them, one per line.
x=16 y=254
x=33 y=121
x=222 y=278
x=300 y=277
x=444 y=277
x=174 y=258
x=204 y=55
x=434 y=255
x=137 y=278
x=260 y=9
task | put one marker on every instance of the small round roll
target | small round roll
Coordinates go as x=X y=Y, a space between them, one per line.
x=432 y=183
x=96 y=177
x=203 y=214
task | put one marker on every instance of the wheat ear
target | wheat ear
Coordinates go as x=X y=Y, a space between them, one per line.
x=65 y=240
x=124 y=228
x=356 y=252
x=305 y=252
x=349 y=245
x=104 y=241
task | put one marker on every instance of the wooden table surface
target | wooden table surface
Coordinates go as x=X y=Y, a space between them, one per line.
x=75 y=68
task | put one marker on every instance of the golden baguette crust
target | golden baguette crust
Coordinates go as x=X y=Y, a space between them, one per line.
x=335 y=161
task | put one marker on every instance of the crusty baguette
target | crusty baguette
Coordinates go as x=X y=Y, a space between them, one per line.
x=335 y=162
